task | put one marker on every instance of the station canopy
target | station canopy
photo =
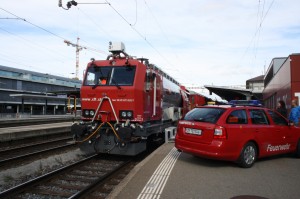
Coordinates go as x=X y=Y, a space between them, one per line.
x=228 y=93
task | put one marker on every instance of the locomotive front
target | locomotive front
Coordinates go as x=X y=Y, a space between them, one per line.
x=113 y=105
x=126 y=103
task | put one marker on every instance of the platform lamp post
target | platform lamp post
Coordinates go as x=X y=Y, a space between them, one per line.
x=22 y=109
x=46 y=102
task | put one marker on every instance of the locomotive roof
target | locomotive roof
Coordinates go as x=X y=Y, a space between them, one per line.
x=164 y=74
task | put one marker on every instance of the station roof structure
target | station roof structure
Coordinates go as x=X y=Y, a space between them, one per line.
x=229 y=93
x=31 y=96
x=71 y=92
x=51 y=95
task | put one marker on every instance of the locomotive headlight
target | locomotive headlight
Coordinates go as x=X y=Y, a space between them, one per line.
x=126 y=114
x=88 y=113
x=129 y=114
x=92 y=112
x=123 y=114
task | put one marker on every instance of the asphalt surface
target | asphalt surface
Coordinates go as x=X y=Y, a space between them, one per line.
x=277 y=177
x=192 y=177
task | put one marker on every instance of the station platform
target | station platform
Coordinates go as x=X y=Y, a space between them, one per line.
x=37 y=119
x=22 y=132
x=167 y=173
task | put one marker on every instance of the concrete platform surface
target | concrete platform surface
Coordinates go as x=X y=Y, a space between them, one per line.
x=169 y=174
x=21 y=132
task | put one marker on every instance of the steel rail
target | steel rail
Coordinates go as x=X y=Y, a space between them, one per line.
x=19 y=188
x=27 y=146
x=91 y=187
x=28 y=155
x=35 y=121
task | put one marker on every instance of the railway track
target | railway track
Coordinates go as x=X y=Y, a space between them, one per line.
x=36 y=120
x=11 y=156
x=81 y=179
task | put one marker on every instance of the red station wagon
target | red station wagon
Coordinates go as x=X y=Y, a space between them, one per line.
x=241 y=134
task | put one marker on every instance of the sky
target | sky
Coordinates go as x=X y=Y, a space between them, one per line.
x=199 y=42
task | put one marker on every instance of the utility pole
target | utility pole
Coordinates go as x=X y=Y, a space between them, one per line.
x=78 y=48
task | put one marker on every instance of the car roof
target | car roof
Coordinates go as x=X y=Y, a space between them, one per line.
x=233 y=106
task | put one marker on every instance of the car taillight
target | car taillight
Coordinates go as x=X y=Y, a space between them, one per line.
x=220 y=133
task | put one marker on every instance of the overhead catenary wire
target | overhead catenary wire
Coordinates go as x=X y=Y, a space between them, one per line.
x=132 y=26
x=163 y=33
x=41 y=28
x=54 y=34
x=11 y=18
x=97 y=25
x=140 y=34
x=25 y=65
x=136 y=15
x=159 y=26
x=90 y=49
x=34 y=44
x=259 y=19
x=21 y=60
x=258 y=28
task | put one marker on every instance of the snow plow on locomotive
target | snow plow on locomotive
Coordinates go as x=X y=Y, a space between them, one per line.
x=126 y=102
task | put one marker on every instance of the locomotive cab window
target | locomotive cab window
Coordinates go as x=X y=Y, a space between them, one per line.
x=123 y=76
x=110 y=76
x=90 y=79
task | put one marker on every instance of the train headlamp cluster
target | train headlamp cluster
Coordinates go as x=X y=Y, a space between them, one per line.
x=88 y=113
x=126 y=114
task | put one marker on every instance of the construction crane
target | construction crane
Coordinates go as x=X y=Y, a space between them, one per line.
x=78 y=48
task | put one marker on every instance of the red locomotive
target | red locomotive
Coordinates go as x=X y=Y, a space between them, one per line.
x=126 y=103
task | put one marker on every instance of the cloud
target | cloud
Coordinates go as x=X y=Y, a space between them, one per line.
x=199 y=42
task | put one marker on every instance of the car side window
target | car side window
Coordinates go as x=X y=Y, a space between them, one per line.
x=258 y=116
x=237 y=117
x=278 y=119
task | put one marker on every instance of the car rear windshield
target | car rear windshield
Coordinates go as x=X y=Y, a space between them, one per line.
x=210 y=115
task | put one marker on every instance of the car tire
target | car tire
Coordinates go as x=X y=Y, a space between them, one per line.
x=248 y=155
x=298 y=150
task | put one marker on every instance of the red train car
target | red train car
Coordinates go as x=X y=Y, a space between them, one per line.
x=126 y=103
x=196 y=99
x=282 y=81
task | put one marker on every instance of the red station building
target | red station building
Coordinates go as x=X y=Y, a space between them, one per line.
x=282 y=81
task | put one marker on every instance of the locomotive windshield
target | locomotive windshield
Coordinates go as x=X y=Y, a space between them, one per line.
x=110 y=76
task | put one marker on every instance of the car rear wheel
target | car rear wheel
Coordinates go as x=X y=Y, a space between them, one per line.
x=248 y=155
